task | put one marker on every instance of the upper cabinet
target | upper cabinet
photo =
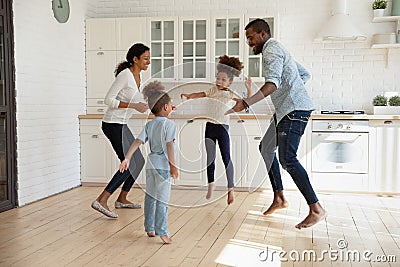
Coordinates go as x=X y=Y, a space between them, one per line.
x=100 y=34
x=130 y=31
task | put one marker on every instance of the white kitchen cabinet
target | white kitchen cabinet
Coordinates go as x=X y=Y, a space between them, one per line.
x=100 y=34
x=130 y=31
x=384 y=167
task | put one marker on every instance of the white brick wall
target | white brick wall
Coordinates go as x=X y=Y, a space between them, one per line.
x=346 y=75
x=50 y=91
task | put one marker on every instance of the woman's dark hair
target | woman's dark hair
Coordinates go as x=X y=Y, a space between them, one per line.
x=229 y=65
x=259 y=25
x=155 y=96
x=136 y=50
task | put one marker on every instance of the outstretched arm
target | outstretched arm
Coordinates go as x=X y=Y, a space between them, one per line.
x=125 y=163
x=194 y=95
x=171 y=159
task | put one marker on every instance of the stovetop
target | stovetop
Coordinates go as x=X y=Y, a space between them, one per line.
x=343 y=112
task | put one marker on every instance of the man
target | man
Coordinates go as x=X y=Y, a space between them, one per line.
x=284 y=81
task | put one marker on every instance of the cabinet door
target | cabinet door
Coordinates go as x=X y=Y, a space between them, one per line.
x=130 y=31
x=100 y=34
x=191 y=152
x=385 y=156
x=100 y=72
x=96 y=158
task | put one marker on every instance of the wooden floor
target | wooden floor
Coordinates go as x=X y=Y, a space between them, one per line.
x=64 y=231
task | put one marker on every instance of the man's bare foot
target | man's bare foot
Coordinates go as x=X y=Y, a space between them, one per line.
x=166 y=239
x=316 y=214
x=151 y=234
x=210 y=190
x=231 y=196
x=278 y=203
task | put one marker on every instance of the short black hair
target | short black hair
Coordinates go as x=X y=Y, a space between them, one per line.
x=259 y=25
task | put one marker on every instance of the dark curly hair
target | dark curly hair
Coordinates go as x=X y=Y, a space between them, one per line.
x=136 y=50
x=230 y=65
x=155 y=96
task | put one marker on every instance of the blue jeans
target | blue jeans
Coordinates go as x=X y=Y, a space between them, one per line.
x=286 y=136
x=121 y=139
x=158 y=190
x=214 y=133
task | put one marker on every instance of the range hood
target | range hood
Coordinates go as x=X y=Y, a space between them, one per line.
x=340 y=27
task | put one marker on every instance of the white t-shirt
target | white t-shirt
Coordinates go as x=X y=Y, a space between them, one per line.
x=218 y=103
x=123 y=89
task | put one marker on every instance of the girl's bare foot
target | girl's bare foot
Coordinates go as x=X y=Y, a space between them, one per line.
x=151 y=234
x=278 y=203
x=166 y=239
x=231 y=196
x=210 y=190
x=316 y=214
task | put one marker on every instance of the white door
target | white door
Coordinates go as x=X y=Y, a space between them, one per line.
x=100 y=34
x=130 y=31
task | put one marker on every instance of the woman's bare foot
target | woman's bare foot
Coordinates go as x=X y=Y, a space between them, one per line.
x=316 y=214
x=231 y=196
x=166 y=239
x=210 y=190
x=151 y=234
x=278 y=203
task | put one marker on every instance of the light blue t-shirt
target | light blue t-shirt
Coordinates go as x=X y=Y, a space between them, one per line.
x=288 y=76
x=158 y=132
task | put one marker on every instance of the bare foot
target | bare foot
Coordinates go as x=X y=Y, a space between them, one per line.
x=276 y=205
x=151 y=234
x=210 y=190
x=166 y=239
x=316 y=214
x=231 y=196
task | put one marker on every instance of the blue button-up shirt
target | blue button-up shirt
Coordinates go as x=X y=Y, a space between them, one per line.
x=289 y=77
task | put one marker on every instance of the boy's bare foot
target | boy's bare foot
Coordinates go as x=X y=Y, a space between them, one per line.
x=166 y=239
x=316 y=214
x=151 y=234
x=210 y=190
x=278 y=203
x=231 y=196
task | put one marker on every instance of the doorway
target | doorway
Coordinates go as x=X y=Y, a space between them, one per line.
x=7 y=110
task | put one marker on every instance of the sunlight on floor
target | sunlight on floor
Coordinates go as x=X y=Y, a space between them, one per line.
x=245 y=253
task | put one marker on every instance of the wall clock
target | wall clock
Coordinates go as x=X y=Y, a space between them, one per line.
x=61 y=10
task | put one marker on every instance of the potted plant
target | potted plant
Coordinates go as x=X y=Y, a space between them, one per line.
x=385 y=106
x=379 y=102
x=394 y=105
x=379 y=7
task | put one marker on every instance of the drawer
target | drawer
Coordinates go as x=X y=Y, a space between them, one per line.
x=248 y=127
x=384 y=123
x=96 y=110
x=96 y=102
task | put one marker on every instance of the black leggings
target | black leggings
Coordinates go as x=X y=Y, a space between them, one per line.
x=214 y=133
x=121 y=139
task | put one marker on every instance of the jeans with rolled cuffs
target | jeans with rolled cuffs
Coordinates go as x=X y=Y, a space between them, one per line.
x=158 y=191
x=121 y=139
x=286 y=137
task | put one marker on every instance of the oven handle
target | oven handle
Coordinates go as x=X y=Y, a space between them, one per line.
x=341 y=140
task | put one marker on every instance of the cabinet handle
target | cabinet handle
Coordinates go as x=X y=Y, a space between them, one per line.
x=257 y=138
x=388 y=122
x=100 y=53
x=100 y=102
x=240 y=121
x=95 y=136
x=100 y=109
x=189 y=121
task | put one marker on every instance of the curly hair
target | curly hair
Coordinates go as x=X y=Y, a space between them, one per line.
x=230 y=65
x=155 y=96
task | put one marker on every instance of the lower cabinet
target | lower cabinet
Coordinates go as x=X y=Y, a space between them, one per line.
x=384 y=167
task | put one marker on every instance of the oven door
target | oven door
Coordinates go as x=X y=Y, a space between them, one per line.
x=339 y=152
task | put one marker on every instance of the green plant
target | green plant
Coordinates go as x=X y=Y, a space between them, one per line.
x=394 y=101
x=379 y=4
x=380 y=100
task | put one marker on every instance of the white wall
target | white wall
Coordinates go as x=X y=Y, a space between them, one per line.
x=346 y=75
x=50 y=92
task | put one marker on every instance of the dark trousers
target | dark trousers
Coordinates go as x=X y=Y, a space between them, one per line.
x=286 y=136
x=214 y=133
x=121 y=139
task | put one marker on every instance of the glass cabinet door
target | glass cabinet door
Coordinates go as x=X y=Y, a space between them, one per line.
x=162 y=48
x=254 y=62
x=194 y=48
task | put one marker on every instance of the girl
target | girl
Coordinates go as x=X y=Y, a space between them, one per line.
x=217 y=127
x=122 y=98
x=160 y=132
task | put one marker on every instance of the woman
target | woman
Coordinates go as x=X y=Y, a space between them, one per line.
x=123 y=97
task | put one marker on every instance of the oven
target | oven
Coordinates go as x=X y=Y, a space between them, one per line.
x=339 y=156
